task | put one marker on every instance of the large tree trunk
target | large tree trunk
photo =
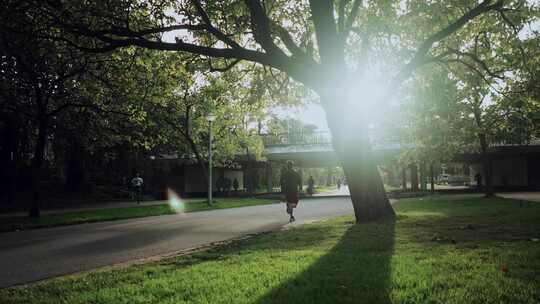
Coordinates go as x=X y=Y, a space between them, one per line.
x=37 y=163
x=351 y=143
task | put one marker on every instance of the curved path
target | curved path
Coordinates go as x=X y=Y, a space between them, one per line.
x=33 y=255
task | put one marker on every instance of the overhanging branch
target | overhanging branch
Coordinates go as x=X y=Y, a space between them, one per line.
x=420 y=55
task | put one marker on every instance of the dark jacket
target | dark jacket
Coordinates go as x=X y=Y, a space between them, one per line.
x=291 y=181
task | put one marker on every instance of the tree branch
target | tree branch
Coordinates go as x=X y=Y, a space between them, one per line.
x=260 y=24
x=420 y=55
x=479 y=61
x=225 y=68
x=341 y=15
x=214 y=31
x=352 y=15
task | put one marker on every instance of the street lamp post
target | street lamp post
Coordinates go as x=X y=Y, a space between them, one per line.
x=210 y=117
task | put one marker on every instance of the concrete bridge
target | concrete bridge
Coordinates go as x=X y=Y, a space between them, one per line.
x=315 y=149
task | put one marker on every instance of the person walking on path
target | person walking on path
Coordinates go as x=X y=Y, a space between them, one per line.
x=339 y=183
x=311 y=185
x=137 y=183
x=291 y=184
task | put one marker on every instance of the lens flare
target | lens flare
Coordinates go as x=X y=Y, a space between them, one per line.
x=175 y=202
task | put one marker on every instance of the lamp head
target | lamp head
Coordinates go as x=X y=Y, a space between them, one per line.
x=210 y=117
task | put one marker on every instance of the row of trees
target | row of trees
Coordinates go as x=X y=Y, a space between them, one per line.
x=70 y=112
x=326 y=46
x=459 y=109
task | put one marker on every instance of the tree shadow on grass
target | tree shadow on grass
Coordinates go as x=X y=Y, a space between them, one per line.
x=356 y=270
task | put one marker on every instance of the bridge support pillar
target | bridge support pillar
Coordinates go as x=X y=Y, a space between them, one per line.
x=404 y=178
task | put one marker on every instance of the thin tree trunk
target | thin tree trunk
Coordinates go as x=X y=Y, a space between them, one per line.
x=187 y=134
x=37 y=163
x=486 y=161
x=414 y=177
x=404 y=178
x=328 y=176
x=249 y=176
x=198 y=156
x=423 y=176
x=432 y=177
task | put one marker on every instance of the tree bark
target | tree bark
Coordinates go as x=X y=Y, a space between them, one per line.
x=37 y=163
x=351 y=143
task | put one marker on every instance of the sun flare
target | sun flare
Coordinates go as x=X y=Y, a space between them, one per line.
x=175 y=202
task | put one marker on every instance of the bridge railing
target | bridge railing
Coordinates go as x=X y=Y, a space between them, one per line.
x=325 y=138
x=286 y=139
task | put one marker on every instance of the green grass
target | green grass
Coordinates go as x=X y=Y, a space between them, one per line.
x=437 y=251
x=323 y=189
x=100 y=215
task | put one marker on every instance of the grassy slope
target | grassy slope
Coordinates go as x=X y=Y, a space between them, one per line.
x=438 y=251
x=10 y=224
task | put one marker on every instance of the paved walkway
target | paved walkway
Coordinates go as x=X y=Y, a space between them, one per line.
x=128 y=204
x=33 y=255
x=343 y=191
x=527 y=196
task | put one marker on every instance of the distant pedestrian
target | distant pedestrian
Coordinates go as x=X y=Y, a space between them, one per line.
x=291 y=185
x=137 y=184
x=235 y=185
x=311 y=185
x=478 y=178
x=339 y=183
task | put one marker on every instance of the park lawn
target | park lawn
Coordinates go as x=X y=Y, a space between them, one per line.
x=100 y=215
x=323 y=189
x=437 y=251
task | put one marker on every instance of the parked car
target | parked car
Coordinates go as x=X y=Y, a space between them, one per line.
x=443 y=178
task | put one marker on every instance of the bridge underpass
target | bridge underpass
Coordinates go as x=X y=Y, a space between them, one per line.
x=315 y=150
